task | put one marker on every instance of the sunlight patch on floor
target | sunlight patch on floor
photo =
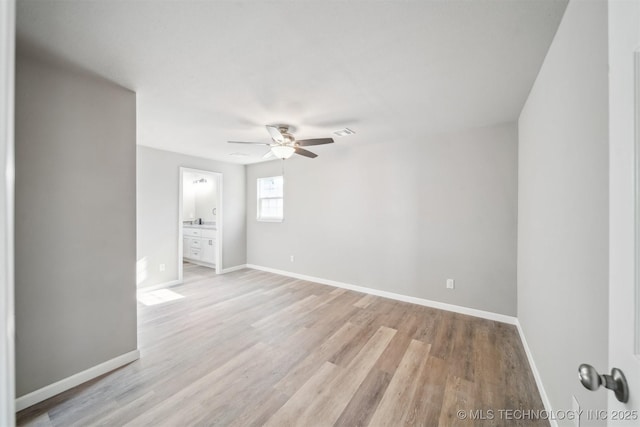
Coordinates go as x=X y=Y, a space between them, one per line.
x=158 y=297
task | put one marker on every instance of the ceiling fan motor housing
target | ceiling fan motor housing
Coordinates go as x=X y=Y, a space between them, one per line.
x=288 y=138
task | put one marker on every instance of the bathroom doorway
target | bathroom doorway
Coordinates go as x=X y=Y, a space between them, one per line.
x=199 y=219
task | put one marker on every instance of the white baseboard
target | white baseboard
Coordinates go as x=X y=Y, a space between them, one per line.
x=200 y=263
x=51 y=390
x=179 y=282
x=536 y=375
x=399 y=297
x=159 y=286
x=236 y=268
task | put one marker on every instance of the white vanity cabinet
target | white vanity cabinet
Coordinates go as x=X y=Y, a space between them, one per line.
x=199 y=245
x=192 y=232
x=195 y=252
x=208 y=244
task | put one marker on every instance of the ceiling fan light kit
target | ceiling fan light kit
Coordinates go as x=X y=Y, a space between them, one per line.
x=282 y=151
x=284 y=144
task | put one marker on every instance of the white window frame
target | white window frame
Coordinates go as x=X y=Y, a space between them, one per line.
x=259 y=217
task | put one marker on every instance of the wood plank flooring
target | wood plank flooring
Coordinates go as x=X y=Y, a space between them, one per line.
x=254 y=348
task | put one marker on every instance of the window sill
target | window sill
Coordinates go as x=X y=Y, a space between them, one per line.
x=270 y=220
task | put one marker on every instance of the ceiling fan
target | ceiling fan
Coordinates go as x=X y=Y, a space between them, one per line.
x=284 y=144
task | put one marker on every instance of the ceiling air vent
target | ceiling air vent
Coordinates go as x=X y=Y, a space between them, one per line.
x=343 y=132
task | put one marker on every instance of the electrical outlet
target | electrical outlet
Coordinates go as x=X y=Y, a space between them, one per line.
x=162 y=267
x=292 y=258
x=450 y=284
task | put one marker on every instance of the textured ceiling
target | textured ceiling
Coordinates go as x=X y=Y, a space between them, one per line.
x=210 y=71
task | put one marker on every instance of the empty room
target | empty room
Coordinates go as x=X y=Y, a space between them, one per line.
x=319 y=213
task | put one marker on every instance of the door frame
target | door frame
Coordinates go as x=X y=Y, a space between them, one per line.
x=636 y=137
x=624 y=199
x=7 y=189
x=219 y=217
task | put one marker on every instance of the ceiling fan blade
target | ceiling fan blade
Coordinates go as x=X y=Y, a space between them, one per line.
x=317 y=141
x=275 y=134
x=244 y=142
x=269 y=154
x=305 y=153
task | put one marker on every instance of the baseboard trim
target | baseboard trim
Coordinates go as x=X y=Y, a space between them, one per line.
x=536 y=375
x=200 y=263
x=160 y=286
x=399 y=297
x=65 y=384
x=236 y=268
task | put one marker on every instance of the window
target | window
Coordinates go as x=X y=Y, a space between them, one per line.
x=271 y=198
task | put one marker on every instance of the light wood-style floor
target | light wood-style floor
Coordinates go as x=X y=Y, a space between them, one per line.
x=254 y=348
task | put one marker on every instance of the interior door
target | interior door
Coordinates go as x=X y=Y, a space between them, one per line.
x=624 y=204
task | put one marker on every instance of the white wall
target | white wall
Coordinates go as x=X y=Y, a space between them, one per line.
x=400 y=220
x=199 y=198
x=75 y=223
x=188 y=197
x=205 y=198
x=7 y=377
x=158 y=183
x=563 y=207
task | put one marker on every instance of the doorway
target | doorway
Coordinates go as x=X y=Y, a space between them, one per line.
x=200 y=219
